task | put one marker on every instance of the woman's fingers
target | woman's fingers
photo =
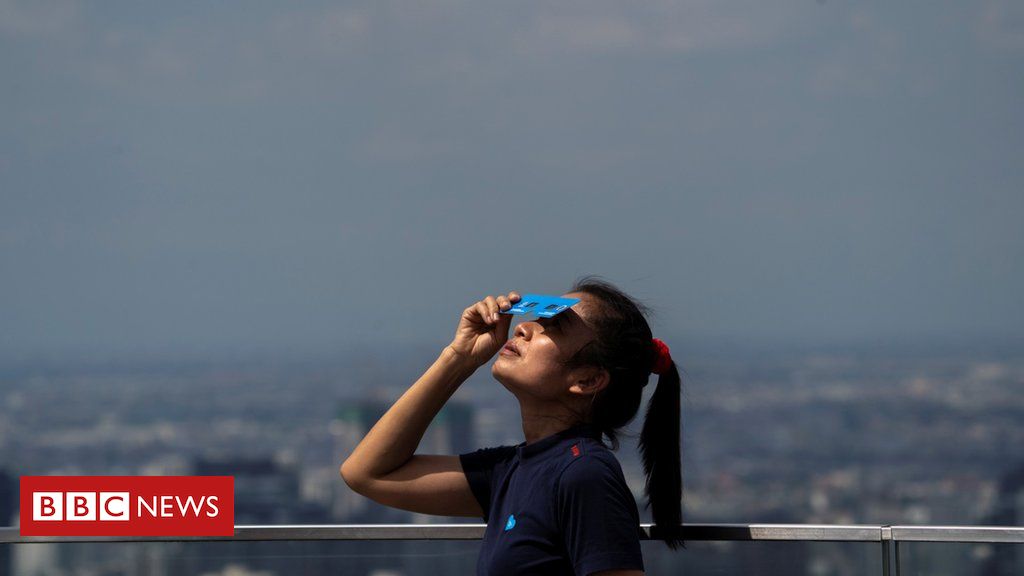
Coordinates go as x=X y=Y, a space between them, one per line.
x=488 y=310
x=492 y=309
x=482 y=311
x=505 y=302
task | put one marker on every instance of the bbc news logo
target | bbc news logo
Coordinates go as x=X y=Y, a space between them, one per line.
x=116 y=506
x=127 y=506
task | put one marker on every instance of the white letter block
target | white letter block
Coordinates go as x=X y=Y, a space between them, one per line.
x=48 y=506
x=114 y=506
x=80 y=506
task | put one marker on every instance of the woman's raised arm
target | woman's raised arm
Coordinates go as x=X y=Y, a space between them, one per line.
x=383 y=466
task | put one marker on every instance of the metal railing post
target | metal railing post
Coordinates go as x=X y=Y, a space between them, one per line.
x=896 y=550
x=886 y=538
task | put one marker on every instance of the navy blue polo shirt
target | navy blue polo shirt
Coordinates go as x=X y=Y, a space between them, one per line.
x=558 y=506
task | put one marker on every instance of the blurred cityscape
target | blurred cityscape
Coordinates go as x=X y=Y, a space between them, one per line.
x=829 y=438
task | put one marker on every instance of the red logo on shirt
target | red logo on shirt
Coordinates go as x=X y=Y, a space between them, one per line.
x=575 y=450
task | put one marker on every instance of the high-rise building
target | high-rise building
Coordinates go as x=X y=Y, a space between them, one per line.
x=457 y=420
x=266 y=492
x=7 y=500
x=1008 y=511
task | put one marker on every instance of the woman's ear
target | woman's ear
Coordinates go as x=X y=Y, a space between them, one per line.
x=589 y=380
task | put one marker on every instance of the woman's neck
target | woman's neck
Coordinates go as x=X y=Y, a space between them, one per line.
x=537 y=427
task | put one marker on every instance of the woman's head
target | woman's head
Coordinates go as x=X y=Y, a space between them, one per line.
x=592 y=359
x=595 y=360
x=543 y=365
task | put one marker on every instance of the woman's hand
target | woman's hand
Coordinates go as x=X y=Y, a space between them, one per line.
x=482 y=330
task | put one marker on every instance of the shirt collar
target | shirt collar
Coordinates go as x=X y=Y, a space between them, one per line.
x=584 y=429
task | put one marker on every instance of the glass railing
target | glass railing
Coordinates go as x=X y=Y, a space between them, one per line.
x=413 y=549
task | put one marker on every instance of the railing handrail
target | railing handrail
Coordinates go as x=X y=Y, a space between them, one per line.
x=719 y=532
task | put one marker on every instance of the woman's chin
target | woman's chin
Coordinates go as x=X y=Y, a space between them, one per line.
x=505 y=374
x=502 y=365
x=497 y=365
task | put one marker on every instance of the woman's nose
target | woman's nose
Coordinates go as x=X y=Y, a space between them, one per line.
x=523 y=330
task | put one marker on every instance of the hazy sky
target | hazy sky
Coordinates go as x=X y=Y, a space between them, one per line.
x=211 y=177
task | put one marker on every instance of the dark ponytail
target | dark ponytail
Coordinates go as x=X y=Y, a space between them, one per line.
x=623 y=346
x=660 y=450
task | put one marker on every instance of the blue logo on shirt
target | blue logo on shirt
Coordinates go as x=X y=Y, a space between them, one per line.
x=511 y=522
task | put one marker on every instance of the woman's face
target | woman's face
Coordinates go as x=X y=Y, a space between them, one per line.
x=542 y=346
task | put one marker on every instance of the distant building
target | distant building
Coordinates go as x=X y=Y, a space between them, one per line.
x=1007 y=559
x=29 y=560
x=457 y=422
x=7 y=500
x=265 y=492
x=453 y=430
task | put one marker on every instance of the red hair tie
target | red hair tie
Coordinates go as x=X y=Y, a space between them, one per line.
x=662 y=357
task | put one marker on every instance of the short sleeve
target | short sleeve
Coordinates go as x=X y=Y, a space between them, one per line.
x=479 y=468
x=598 y=517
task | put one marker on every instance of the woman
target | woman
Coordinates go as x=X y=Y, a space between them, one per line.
x=556 y=503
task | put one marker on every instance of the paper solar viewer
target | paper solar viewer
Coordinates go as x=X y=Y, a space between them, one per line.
x=542 y=305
